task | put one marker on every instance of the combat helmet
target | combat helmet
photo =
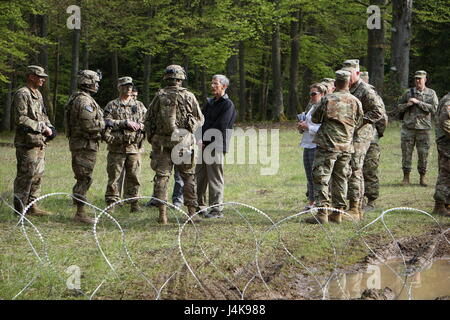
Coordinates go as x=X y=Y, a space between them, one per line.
x=174 y=72
x=88 y=77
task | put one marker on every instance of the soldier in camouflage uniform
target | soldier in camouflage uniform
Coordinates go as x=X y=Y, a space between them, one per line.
x=84 y=125
x=372 y=159
x=33 y=131
x=125 y=136
x=417 y=105
x=442 y=194
x=373 y=112
x=339 y=114
x=172 y=118
x=329 y=84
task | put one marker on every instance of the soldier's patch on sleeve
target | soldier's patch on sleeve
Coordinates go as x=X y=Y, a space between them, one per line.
x=89 y=108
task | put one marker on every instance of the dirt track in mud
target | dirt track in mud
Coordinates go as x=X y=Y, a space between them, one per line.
x=285 y=279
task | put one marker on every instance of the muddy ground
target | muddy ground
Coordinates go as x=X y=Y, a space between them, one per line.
x=285 y=279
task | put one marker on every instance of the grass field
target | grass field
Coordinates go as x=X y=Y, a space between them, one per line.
x=224 y=254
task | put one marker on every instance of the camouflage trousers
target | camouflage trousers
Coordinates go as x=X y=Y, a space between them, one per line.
x=30 y=169
x=130 y=163
x=161 y=163
x=330 y=165
x=420 y=139
x=442 y=193
x=83 y=163
x=356 y=179
x=370 y=172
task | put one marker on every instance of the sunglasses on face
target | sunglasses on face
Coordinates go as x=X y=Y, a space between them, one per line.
x=314 y=93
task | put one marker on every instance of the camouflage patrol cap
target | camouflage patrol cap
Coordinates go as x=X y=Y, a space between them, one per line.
x=343 y=75
x=87 y=77
x=328 y=80
x=350 y=64
x=364 y=75
x=420 y=74
x=175 y=71
x=124 y=80
x=36 y=70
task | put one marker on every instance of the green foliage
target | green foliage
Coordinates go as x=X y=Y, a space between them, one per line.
x=203 y=34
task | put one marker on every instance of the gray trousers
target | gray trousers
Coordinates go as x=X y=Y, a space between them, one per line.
x=210 y=176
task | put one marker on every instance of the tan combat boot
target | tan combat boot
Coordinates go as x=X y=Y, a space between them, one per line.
x=191 y=212
x=135 y=207
x=81 y=215
x=354 y=213
x=423 y=182
x=35 y=211
x=370 y=205
x=162 y=214
x=406 y=178
x=335 y=216
x=439 y=208
x=321 y=217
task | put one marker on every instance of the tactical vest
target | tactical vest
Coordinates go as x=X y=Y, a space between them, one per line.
x=174 y=111
x=73 y=130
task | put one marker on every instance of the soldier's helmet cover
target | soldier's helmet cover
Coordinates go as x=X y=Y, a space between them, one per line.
x=36 y=70
x=88 y=77
x=175 y=72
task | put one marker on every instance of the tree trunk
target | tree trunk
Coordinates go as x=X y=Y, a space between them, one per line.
x=43 y=61
x=242 y=87
x=55 y=81
x=186 y=69
x=204 y=91
x=232 y=69
x=146 y=85
x=75 y=59
x=115 y=69
x=85 y=56
x=276 y=76
x=264 y=87
x=401 y=41
x=375 y=52
x=6 y=123
x=293 y=71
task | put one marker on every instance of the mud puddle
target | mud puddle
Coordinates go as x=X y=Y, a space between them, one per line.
x=430 y=282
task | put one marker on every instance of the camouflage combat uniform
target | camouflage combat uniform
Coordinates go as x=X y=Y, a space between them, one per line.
x=442 y=193
x=416 y=127
x=339 y=114
x=125 y=149
x=85 y=124
x=371 y=185
x=373 y=112
x=173 y=108
x=31 y=120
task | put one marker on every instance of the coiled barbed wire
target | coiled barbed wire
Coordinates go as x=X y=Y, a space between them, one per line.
x=46 y=262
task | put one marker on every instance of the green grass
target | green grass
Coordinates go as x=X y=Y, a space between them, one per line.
x=229 y=243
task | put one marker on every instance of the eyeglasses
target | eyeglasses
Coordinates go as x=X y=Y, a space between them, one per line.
x=314 y=93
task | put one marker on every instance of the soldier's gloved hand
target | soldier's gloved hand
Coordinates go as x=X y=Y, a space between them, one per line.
x=47 y=132
x=109 y=123
x=53 y=135
x=134 y=126
x=108 y=138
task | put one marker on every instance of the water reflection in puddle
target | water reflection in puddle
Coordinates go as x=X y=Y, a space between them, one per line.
x=432 y=281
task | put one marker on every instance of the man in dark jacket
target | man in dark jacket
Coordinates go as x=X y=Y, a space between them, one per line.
x=220 y=115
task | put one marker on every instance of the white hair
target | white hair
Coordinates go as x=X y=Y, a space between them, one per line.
x=222 y=79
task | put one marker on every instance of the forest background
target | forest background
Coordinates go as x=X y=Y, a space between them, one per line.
x=272 y=50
